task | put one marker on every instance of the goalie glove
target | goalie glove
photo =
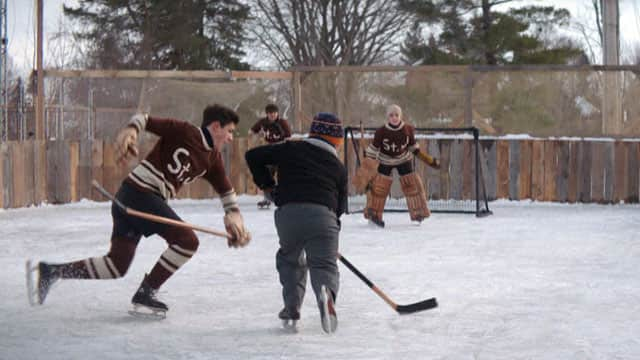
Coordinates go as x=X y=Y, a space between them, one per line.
x=126 y=144
x=239 y=236
x=428 y=159
x=364 y=174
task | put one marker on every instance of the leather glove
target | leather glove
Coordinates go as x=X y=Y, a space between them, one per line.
x=126 y=144
x=239 y=236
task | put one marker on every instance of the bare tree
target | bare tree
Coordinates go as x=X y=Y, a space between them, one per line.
x=329 y=32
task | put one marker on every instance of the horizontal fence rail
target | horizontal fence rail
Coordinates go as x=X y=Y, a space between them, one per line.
x=559 y=170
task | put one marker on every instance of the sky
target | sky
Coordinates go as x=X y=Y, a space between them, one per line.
x=21 y=20
x=532 y=281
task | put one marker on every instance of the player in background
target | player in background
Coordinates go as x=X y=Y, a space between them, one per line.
x=183 y=153
x=310 y=195
x=272 y=129
x=393 y=147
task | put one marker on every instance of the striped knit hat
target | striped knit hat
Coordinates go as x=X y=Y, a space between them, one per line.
x=327 y=126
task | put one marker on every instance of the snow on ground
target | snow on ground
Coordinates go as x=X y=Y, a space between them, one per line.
x=532 y=281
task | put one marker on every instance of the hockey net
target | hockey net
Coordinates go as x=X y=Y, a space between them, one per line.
x=457 y=187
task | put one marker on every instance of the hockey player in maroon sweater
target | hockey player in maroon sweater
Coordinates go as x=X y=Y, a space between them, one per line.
x=393 y=146
x=273 y=130
x=183 y=153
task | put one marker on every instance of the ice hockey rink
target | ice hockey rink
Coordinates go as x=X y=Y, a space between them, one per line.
x=532 y=281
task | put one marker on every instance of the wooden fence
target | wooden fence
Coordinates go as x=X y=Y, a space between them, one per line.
x=562 y=170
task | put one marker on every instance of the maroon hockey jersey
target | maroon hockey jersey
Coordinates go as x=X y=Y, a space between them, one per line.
x=183 y=153
x=393 y=145
x=274 y=132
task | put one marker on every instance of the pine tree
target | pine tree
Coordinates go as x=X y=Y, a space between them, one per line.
x=162 y=34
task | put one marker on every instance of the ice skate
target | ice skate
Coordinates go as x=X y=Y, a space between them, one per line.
x=145 y=303
x=264 y=204
x=328 y=314
x=289 y=319
x=37 y=290
x=373 y=219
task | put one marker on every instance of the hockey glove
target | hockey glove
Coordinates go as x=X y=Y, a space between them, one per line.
x=126 y=144
x=239 y=236
x=428 y=159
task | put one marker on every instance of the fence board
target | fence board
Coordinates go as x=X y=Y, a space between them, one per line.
x=620 y=171
x=514 y=170
x=455 y=170
x=85 y=155
x=550 y=169
x=433 y=175
x=74 y=162
x=29 y=170
x=502 y=171
x=632 y=185
x=524 y=181
x=97 y=167
x=537 y=170
x=109 y=170
x=18 y=170
x=597 y=173
x=608 y=172
x=445 y=163
x=468 y=168
x=40 y=171
x=488 y=161
x=573 y=171
x=584 y=171
x=7 y=185
x=562 y=178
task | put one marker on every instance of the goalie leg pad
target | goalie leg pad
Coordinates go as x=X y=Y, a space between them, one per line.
x=377 y=196
x=416 y=195
x=364 y=174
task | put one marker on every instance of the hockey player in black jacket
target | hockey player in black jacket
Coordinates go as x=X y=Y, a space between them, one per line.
x=310 y=196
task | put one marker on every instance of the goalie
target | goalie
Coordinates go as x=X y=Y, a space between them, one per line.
x=393 y=146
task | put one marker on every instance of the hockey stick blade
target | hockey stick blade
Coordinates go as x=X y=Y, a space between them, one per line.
x=419 y=306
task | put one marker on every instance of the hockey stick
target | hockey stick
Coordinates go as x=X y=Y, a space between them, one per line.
x=401 y=309
x=155 y=218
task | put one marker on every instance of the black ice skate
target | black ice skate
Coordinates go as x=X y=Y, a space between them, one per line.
x=264 y=204
x=145 y=303
x=289 y=318
x=37 y=291
x=328 y=314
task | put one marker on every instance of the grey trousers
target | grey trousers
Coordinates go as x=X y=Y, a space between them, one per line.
x=308 y=241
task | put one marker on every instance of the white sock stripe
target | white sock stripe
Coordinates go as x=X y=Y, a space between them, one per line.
x=167 y=266
x=113 y=267
x=174 y=257
x=183 y=251
x=101 y=268
x=89 y=266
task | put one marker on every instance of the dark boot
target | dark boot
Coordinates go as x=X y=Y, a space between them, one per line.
x=146 y=296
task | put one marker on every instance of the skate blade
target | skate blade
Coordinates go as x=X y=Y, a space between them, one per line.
x=328 y=318
x=32 y=293
x=143 y=312
x=290 y=325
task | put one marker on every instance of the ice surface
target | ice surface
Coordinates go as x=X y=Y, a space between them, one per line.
x=532 y=281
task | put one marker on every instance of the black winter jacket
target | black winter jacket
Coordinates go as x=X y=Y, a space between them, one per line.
x=308 y=171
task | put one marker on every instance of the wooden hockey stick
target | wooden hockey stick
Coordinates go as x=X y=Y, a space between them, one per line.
x=401 y=309
x=155 y=218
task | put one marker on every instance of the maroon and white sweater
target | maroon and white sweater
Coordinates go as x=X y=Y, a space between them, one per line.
x=393 y=145
x=183 y=153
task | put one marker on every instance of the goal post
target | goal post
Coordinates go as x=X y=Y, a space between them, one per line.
x=457 y=187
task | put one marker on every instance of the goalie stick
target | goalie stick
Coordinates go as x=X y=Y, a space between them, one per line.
x=401 y=309
x=156 y=218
